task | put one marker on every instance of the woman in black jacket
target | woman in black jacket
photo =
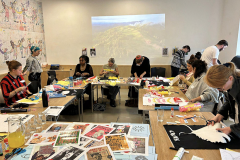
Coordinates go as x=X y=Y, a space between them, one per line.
x=225 y=77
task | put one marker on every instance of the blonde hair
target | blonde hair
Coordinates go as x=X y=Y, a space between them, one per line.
x=218 y=75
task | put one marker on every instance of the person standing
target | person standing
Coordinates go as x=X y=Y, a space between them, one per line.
x=179 y=60
x=210 y=54
x=33 y=65
x=140 y=67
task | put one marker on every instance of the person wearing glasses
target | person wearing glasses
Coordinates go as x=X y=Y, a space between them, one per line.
x=227 y=78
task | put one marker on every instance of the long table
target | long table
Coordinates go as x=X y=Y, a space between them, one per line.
x=162 y=141
x=48 y=123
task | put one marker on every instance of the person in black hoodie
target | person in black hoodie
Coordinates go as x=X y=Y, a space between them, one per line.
x=225 y=77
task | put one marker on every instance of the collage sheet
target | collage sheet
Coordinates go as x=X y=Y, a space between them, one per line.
x=86 y=141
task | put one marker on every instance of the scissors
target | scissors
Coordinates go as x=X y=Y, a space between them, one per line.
x=207 y=121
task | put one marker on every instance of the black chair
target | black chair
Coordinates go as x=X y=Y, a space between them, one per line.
x=158 y=71
x=33 y=87
x=51 y=77
x=236 y=61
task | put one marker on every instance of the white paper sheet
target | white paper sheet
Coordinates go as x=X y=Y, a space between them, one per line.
x=229 y=155
x=53 y=110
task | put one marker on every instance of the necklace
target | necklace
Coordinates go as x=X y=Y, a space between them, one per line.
x=83 y=68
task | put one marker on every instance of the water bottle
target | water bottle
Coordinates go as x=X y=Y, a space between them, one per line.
x=71 y=81
x=44 y=98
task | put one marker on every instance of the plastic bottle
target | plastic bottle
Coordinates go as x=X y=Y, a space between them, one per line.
x=44 y=98
x=71 y=81
x=1 y=151
x=6 y=145
x=172 y=112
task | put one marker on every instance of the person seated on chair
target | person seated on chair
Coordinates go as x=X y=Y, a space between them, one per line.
x=199 y=90
x=111 y=70
x=227 y=78
x=189 y=77
x=83 y=69
x=13 y=84
x=140 y=67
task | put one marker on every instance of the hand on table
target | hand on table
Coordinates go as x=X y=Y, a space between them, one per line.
x=78 y=74
x=105 y=72
x=226 y=130
x=193 y=100
x=141 y=76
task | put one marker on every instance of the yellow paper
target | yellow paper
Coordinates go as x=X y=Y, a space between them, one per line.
x=29 y=100
x=112 y=77
x=63 y=83
x=171 y=78
x=108 y=70
x=163 y=92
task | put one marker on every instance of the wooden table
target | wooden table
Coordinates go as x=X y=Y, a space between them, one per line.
x=162 y=141
x=173 y=91
x=48 y=123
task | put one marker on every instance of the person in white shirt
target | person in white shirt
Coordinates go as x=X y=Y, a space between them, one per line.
x=210 y=54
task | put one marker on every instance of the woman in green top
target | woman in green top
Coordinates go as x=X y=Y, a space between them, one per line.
x=108 y=70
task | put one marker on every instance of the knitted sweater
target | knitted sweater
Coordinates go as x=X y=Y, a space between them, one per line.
x=179 y=59
x=209 y=95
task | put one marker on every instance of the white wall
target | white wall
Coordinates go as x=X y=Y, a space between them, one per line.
x=230 y=28
x=68 y=24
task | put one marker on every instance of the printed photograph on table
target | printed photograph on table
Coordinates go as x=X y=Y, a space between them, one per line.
x=76 y=126
x=83 y=140
x=67 y=137
x=98 y=132
x=56 y=127
x=117 y=142
x=93 y=143
x=42 y=138
x=141 y=130
x=68 y=153
x=100 y=153
x=138 y=145
x=120 y=128
x=42 y=152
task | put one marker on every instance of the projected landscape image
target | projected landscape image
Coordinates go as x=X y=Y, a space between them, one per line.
x=128 y=35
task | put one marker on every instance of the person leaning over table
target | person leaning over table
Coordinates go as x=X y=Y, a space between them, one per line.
x=227 y=78
x=140 y=67
x=189 y=77
x=33 y=65
x=113 y=90
x=13 y=84
x=199 y=90
x=84 y=70
x=179 y=60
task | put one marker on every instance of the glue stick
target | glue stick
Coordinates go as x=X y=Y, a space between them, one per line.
x=179 y=154
x=172 y=112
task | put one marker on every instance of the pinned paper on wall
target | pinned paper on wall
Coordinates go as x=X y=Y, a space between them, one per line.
x=165 y=52
x=84 y=51
x=93 y=52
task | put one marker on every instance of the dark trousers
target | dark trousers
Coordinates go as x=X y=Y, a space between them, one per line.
x=175 y=71
x=35 y=83
x=113 y=91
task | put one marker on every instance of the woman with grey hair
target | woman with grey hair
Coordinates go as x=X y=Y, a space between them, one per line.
x=111 y=69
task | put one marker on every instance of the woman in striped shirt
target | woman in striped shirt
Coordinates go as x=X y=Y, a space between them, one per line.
x=13 y=84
